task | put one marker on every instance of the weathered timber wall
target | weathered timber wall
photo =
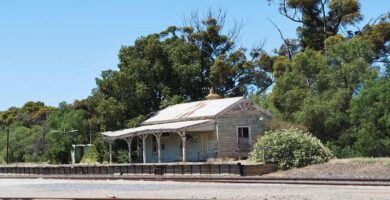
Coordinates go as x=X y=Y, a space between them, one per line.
x=227 y=130
x=137 y=169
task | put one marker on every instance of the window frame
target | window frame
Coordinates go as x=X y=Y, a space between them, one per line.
x=249 y=133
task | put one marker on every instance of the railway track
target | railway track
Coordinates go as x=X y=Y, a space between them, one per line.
x=221 y=179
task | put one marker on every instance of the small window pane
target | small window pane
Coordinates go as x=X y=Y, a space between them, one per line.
x=243 y=132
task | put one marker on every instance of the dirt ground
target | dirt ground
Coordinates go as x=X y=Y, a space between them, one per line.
x=341 y=168
x=52 y=189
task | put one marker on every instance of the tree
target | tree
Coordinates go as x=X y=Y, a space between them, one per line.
x=27 y=131
x=176 y=65
x=320 y=19
x=33 y=113
x=379 y=34
x=60 y=138
x=370 y=114
x=315 y=88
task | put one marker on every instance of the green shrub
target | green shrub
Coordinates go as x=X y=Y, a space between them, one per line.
x=122 y=156
x=91 y=156
x=290 y=148
x=342 y=150
x=101 y=149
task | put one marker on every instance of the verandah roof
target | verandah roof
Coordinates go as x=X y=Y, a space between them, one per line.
x=158 y=128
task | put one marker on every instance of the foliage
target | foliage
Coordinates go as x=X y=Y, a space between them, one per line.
x=290 y=148
x=264 y=101
x=27 y=128
x=121 y=156
x=91 y=156
x=61 y=123
x=32 y=113
x=318 y=81
x=370 y=112
x=320 y=19
x=173 y=66
x=22 y=140
x=343 y=147
x=101 y=149
x=379 y=35
x=315 y=88
x=330 y=82
x=135 y=121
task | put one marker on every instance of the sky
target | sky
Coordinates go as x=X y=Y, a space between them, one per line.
x=52 y=51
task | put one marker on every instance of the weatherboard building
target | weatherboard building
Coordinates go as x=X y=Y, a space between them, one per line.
x=196 y=131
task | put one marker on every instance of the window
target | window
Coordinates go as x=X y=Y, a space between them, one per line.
x=243 y=132
x=154 y=144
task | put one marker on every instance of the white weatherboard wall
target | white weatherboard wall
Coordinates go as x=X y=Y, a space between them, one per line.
x=172 y=151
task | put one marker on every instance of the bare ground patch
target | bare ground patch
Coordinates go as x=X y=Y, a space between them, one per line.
x=341 y=168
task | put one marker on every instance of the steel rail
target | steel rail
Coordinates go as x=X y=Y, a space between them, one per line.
x=220 y=179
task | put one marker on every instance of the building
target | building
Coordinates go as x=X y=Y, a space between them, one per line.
x=196 y=131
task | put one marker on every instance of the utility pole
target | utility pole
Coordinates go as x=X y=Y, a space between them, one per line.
x=7 y=145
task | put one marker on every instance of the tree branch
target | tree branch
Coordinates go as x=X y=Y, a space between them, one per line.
x=323 y=2
x=283 y=10
x=290 y=54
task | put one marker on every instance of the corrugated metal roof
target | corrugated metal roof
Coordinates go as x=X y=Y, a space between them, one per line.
x=159 y=128
x=192 y=110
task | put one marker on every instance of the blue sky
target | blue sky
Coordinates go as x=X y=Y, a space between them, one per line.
x=52 y=51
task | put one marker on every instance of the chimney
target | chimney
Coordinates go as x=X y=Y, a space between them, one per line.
x=212 y=95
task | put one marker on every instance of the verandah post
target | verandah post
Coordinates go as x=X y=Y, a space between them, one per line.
x=183 y=140
x=143 y=137
x=110 y=143
x=158 y=139
x=129 y=140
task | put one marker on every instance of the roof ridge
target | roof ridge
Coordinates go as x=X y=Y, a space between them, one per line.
x=204 y=101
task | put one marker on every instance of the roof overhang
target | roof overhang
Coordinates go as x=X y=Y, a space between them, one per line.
x=194 y=125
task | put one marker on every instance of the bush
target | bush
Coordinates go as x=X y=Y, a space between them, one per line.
x=101 y=149
x=122 y=156
x=343 y=149
x=290 y=148
x=91 y=156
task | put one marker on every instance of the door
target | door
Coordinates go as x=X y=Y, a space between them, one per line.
x=205 y=146
x=243 y=134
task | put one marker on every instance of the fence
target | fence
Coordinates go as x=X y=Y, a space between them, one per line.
x=139 y=169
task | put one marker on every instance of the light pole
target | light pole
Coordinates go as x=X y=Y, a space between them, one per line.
x=64 y=131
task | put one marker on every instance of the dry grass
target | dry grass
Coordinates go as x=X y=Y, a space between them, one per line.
x=384 y=161
x=342 y=168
